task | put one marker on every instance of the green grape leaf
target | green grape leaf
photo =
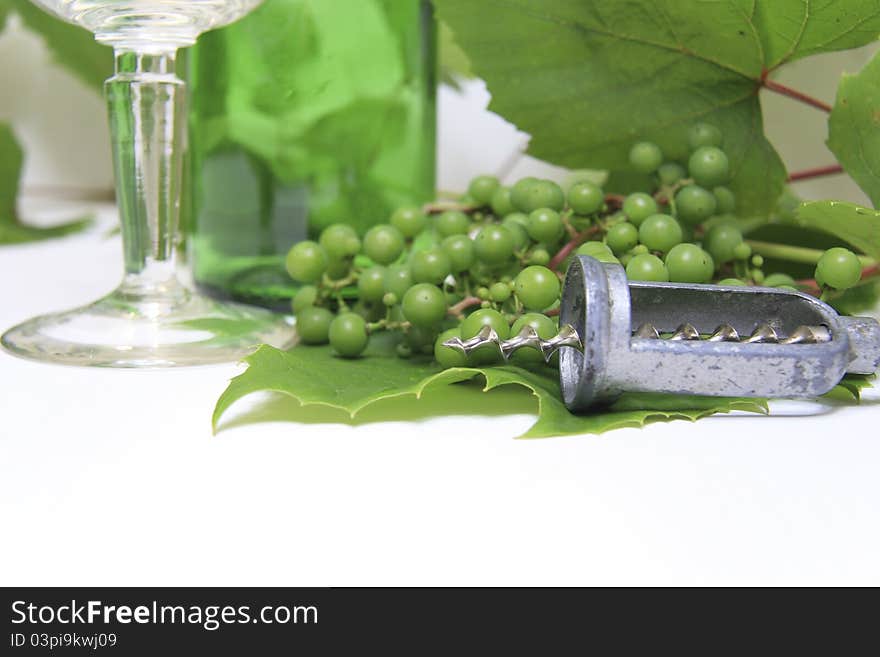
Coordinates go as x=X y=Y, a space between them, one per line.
x=73 y=47
x=453 y=64
x=312 y=376
x=586 y=79
x=854 y=224
x=850 y=388
x=854 y=128
x=791 y=29
x=12 y=231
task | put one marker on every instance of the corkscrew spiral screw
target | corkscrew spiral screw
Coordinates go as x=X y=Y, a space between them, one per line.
x=691 y=339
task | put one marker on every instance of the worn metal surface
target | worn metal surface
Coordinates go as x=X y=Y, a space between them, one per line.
x=619 y=336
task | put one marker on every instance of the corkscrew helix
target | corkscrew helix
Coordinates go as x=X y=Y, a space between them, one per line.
x=619 y=336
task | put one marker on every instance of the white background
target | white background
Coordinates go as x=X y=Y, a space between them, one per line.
x=114 y=478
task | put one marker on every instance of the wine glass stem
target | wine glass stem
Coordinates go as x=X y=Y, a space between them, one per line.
x=146 y=102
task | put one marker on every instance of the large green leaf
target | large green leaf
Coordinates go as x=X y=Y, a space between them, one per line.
x=854 y=128
x=791 y=29
x=312 y=376
x=857 y=226
x=73 y=47
x=11 y=230
x=586 y=79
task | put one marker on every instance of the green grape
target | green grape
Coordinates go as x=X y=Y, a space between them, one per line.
x=545 y=225
x=543 y=326
x=460 y=251
x=403 y=350
x=520 y=235
x=452 y=222
x=694 y=204
x=536 y=287
x=410 y=221
x=348 y=335
x=703 y=134
x=645 y=157
x=306 y=262
x=622 y=237
x=313 y=325
x=708 y=166
x=742 y=251
x=483 y=292
x=340 y=241
x=424 y=305
x=501 y=203
x=725 y=200
x=779 y=280
x=646 y=267
x=838 y=268
x=670 y=173
x=757 y=276
x=483 y=188
x=473 y=324
x=500 y=292
x=304 y=298
x=640 y=249
x=660 y=232
x=539 y=256
x=606 y=257
x=430 y=266
x=339 y=269
x=594 y=248
x=639 y=206
x=390 y=299
x=688 y=263
x=520 y=218
x=586 y=197
x=530 y=194
x=447 y=356
x=371 y=284
x=757 y=260
x=398 y=279
x=383 y=244
x=494 y=244
x=732 y=282
x=722 y=241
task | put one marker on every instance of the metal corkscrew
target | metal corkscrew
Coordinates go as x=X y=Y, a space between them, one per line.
x=629 y=336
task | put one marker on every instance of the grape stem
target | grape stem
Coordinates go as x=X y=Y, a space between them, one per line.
x=799 y=96
x=571 y=245
x=795 y=253
x=441 y=206
x=458 y=309
x=815 y=172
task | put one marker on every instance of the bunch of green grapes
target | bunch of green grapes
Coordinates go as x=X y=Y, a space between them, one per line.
x=496 y=256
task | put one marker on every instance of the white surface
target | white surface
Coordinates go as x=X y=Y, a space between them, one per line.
x=114 y=478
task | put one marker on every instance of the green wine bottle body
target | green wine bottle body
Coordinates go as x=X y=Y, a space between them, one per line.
x=304 y=114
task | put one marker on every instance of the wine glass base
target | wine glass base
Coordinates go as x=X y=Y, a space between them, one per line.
x=133 y=332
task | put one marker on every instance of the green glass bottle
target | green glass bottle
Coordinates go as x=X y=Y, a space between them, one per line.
x=305 y=113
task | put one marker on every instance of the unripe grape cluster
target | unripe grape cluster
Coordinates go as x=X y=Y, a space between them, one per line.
x=497 y=255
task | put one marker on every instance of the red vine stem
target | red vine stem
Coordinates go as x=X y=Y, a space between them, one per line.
x=571 y=245
x=815 y=172
x=794 y=93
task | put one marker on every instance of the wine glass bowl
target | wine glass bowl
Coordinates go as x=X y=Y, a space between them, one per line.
x=152 y=319
x=159 y=21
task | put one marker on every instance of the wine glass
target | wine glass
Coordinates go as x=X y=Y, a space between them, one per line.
x=152 y=319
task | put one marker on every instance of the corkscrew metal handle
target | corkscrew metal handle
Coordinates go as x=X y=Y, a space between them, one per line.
x=610 y=339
